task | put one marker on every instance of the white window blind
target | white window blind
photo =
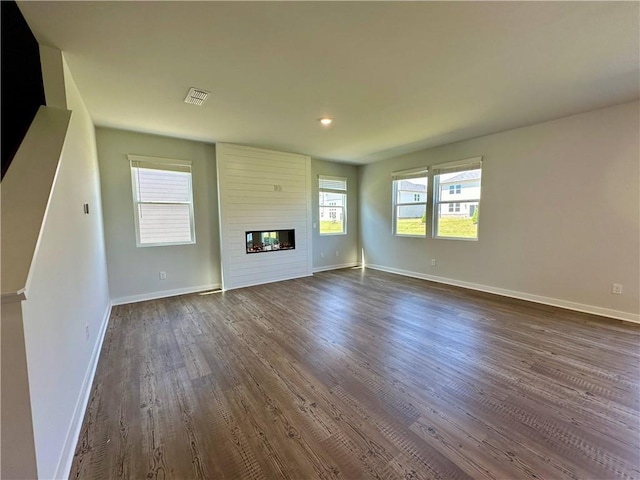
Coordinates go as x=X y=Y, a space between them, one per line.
x=332 y=184
x=460 y=166
x=163 y=201
x=419 y=172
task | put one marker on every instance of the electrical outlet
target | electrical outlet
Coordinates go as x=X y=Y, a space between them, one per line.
x=616 y=288
x=337 y=253
x=433 y=262
x=163 y=275
x=321 y=254
x=86 y=331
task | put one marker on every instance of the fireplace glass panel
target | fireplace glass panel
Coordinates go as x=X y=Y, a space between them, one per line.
x=260 y=241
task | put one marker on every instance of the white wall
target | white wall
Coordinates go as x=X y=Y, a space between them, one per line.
x=67 y=292
x=326 y=246
x=263 y=190
x=559 y=216
x=134 y=271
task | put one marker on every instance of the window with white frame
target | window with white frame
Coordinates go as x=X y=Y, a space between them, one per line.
x=455 y=189
x=163 y=201
x=410 y=202
x=456 y=205
x=332 y=205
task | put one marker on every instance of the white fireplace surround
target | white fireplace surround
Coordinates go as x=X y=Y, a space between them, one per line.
x=262 y=190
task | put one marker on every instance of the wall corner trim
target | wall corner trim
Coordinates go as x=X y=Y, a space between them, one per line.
x=14 y=297
x=554 y=302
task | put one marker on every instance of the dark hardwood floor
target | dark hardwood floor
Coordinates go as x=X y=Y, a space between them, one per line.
x=361 y=374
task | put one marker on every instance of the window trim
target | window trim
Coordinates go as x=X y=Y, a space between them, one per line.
x=154 y=162
x=420 y=172
x=474 y=163
x=343 y=207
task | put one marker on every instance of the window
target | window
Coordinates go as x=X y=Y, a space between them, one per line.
x=457 y=217
x=333 y=205
x=163 y=201
x=410 y=203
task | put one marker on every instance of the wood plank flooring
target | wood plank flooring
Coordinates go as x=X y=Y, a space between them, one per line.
x=361 y=374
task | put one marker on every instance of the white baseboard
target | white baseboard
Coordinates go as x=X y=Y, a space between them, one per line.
x=555 y=302
x=63 y=468
x=255 y=284
x=163 y=294
x=335 y=267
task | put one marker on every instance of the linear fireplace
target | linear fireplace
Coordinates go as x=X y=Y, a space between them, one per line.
x=259 y=241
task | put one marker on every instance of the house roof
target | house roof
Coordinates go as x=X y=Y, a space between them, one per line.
x=408 y=186
x=462 y=176
x=397 y=77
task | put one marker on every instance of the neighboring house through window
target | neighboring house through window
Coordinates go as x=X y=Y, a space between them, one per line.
x=457 y=199
x=410 y=202
x=332 y=205
x=163 y=201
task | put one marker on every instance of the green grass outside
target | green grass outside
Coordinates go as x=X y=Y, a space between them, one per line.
x=327 y=226
x=410 y=226
x=457 y=227
x=448 y=227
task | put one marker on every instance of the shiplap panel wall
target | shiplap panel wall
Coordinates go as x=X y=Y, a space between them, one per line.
x=262 y=190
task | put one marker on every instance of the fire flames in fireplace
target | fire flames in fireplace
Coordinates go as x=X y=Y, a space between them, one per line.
x=259 y=241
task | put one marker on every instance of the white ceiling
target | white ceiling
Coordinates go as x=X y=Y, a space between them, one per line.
x=396 y=76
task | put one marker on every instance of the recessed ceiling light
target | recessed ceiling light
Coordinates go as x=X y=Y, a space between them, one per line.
x=326 y=121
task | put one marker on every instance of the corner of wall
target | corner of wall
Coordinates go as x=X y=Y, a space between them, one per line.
x=53 y=76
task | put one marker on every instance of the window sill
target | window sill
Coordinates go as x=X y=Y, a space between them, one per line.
x=144 y=245
x=455 y=238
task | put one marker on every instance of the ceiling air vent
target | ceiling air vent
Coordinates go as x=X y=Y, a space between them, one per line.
x=196 y=96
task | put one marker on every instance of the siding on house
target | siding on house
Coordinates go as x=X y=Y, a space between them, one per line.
x=407 y=193
x=460 y=188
